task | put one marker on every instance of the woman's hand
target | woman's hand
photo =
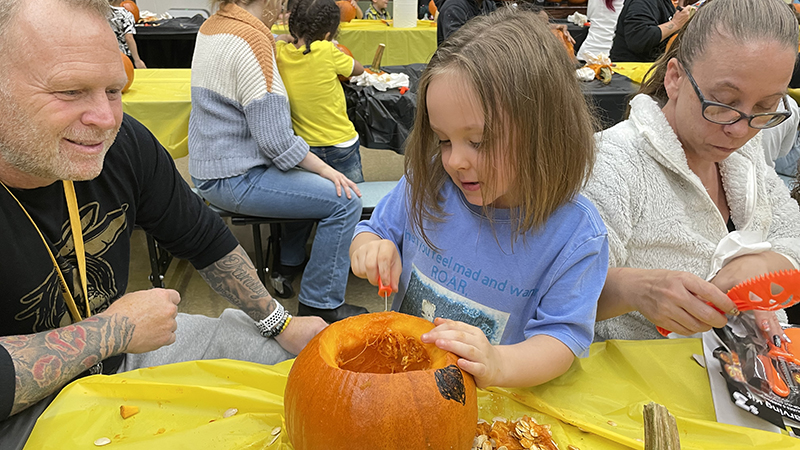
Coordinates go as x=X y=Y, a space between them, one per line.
x=750 y=266
x=670 y=299
x=313 y=163
x=372 y=257
x=340 y=181
x=476 y=355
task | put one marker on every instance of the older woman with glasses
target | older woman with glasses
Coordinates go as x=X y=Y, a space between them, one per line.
x=690 y=205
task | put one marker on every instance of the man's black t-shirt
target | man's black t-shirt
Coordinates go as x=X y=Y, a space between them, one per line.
x=138 y=185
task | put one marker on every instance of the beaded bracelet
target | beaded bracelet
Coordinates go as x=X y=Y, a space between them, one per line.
x=273 y=324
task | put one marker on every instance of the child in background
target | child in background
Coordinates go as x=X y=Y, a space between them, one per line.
x=122 y=23
x=487 y=232
x=310 y=67
x=377 y=10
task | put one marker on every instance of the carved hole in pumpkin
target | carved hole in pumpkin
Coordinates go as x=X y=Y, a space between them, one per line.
x=384 y=351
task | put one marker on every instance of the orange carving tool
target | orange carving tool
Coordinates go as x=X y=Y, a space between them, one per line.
x=384 y=291
x=769 y=292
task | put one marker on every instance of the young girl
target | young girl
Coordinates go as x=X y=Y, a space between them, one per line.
x=310 y=67
x=487 y=232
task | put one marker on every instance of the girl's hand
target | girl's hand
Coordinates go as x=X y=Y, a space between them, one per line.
x=285 y=37
x=476 y=355
x=340 y=181
x=372 y=257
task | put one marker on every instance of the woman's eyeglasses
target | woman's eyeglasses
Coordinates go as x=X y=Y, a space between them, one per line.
x=723 y=114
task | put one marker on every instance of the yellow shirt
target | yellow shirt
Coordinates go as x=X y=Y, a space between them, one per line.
x=316 y=98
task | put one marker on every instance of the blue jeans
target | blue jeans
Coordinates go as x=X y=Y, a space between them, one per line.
x=297 y=194
x=344 y=159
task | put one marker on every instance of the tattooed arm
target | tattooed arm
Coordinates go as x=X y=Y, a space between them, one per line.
x=44 y=362
x=234 y=277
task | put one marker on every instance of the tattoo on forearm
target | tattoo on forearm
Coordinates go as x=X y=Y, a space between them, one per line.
x=46 y=361
x=234 y=277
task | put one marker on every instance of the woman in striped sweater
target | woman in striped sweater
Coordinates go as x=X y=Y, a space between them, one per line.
x=245 y=158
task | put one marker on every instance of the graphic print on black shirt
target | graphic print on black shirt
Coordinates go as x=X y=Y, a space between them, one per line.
x=428 y=299
x=99 y=234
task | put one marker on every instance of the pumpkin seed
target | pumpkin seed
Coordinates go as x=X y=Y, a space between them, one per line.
x=273 y=440
x=230 y=412
x=102 y=441
x=572 y=447
x=612 y=423
x=276 y=431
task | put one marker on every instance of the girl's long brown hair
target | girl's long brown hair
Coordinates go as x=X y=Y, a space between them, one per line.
x=531 y=101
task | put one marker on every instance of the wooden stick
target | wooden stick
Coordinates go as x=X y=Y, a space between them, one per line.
x=660 y=428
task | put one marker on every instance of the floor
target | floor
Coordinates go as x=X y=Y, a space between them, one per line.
x=198 y=298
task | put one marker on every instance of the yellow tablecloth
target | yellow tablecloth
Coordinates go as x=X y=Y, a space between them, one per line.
x=403 y=45
x=162 y=99
x=182 y=404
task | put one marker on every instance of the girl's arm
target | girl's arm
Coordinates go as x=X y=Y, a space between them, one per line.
x=359 y=13
x=372 y=257
x=137 y=61
x=534 y=361
x=358 y=69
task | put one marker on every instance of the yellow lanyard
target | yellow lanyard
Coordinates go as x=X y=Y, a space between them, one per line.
x=77 y=237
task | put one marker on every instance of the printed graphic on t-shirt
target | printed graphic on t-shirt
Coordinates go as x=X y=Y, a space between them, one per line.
x=99 y=235
x=426 y=298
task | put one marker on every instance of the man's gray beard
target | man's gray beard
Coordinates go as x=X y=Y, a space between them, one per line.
x=26 y=153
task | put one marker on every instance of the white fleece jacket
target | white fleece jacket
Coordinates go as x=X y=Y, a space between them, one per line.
x=659 y=215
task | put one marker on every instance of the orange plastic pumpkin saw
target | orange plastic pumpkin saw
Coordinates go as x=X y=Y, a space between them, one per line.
x=769 y=292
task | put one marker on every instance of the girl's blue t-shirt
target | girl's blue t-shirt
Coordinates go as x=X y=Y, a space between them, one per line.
x=547 y=283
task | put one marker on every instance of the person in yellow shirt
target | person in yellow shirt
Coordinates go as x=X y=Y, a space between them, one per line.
x=310 y=67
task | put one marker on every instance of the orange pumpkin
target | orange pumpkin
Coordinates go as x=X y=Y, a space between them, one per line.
x=564 y=39
x=131 y=6
x=345 y=50
x=128 y=71
x=347 y=11
x=432 y=8
x=368 y=382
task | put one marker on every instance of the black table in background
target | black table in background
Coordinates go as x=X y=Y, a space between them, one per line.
x=169 y=43
x=383 y=120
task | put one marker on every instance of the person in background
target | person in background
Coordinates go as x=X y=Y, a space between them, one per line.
x=682 y=185
x=122 y=23
x=310 y=67
x=781 y=147
x=603 y=15
x=643 y=29
x=486 y=232
x=377 y=10
x=244 y=156
x=76 y=177
x=453 y=14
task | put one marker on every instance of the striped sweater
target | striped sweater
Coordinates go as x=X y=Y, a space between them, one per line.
x=240 y=115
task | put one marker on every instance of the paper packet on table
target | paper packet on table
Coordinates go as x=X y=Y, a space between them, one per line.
x=382 y=81
x=599 y=64
x=762 y=380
